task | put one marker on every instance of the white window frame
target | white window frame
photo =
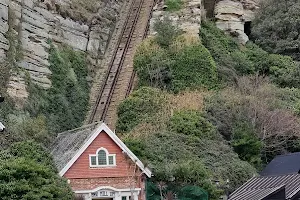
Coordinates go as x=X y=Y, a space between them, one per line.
x=107 y=160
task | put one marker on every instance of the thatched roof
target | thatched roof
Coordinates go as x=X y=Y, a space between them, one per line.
x=68 y=143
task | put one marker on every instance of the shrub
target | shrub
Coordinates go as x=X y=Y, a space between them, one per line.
x=26 y=127
x=269 y=111
x=233 y=60
x=246 y=143
x=166 y=31
x=192 y=123
x=173 y=5
x=153 y=67
x=142 y=105
x=276 y=27
x=29 y=174
x=65 y=103
x=192 y=67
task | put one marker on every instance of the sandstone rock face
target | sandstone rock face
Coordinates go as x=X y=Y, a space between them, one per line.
x=27 y=26
x=188 y=18
x=231 y=16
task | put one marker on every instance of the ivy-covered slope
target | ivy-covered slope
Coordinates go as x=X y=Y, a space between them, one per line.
x=27 y=169
x=209 y=110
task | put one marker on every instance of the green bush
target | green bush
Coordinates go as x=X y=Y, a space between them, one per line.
x=276 y=27
x=173 y=5
x=192 y=160
x=65 y=104
x=29 y=174
x=246 y=143
x=193 y=68
x=192 y=123
x=154 y=68
x=32 y=151
x=142 y=105
x=233 y=60
x=26 y=127
x=166 y=31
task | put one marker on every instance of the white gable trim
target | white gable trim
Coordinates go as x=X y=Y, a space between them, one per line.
x=112 y=135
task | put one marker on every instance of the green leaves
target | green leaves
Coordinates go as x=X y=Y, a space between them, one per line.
x=30 y=175
x=173 y=5
x=192 y=123
x=190 y=68
x=65 y=103
x=141 y=106
x=276 y=27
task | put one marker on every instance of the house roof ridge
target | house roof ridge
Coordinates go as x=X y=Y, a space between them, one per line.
x=79 y=128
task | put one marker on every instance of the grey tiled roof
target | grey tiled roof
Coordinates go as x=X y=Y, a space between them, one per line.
x=266 y=185
x=68 y=143
x=283 y=164
x=257 y=194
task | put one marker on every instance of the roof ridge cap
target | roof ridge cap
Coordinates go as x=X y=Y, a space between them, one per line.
x=80 y=128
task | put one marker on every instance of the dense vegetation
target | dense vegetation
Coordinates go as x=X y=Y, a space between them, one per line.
x=65 y=103
x=173 y=5
x=174 y=63
x=27 y=172
x=204 y=110
x=27 y=169
x=276 y=27
x=234 y=60
x=246 y=109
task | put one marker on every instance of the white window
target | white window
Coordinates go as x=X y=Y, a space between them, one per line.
x=102 y=158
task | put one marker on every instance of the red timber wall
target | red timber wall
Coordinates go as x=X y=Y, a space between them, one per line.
x=122 y=176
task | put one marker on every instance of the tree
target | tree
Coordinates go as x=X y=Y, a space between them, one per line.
x=276 y=27
x=27 y=172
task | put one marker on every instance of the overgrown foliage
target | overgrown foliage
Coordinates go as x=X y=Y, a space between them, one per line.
x=166 y=32
x=27 y=172
x=184 y=149
x=174 y=63
x=65 y=104
x=192 y=123
x=234 y=60
x=173 y=5
x=258 y=117
x=276 y=27
x=141 y=106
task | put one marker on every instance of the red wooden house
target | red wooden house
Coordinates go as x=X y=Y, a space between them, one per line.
x=98 y=165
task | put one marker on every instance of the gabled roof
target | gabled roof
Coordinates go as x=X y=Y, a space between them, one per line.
x=69 y=145
x=283 y=164
x=264 y=186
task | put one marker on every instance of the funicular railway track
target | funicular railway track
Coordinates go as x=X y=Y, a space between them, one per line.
x=120 y=76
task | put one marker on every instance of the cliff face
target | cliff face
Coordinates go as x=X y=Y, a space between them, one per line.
x=188 y=18
x=27 y=26
x=231 y=16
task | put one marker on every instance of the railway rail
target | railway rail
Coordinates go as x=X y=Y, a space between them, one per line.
x=119 y=78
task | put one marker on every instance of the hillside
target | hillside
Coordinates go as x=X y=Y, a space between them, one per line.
x=209 y=108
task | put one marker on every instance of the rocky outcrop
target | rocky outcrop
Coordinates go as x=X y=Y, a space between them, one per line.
x=188 y=18
x=231 y=16
x=27 y=26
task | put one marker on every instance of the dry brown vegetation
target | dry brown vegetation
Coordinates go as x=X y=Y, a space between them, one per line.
x=265 y=107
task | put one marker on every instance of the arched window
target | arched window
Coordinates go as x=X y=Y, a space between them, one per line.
x=102 y=158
